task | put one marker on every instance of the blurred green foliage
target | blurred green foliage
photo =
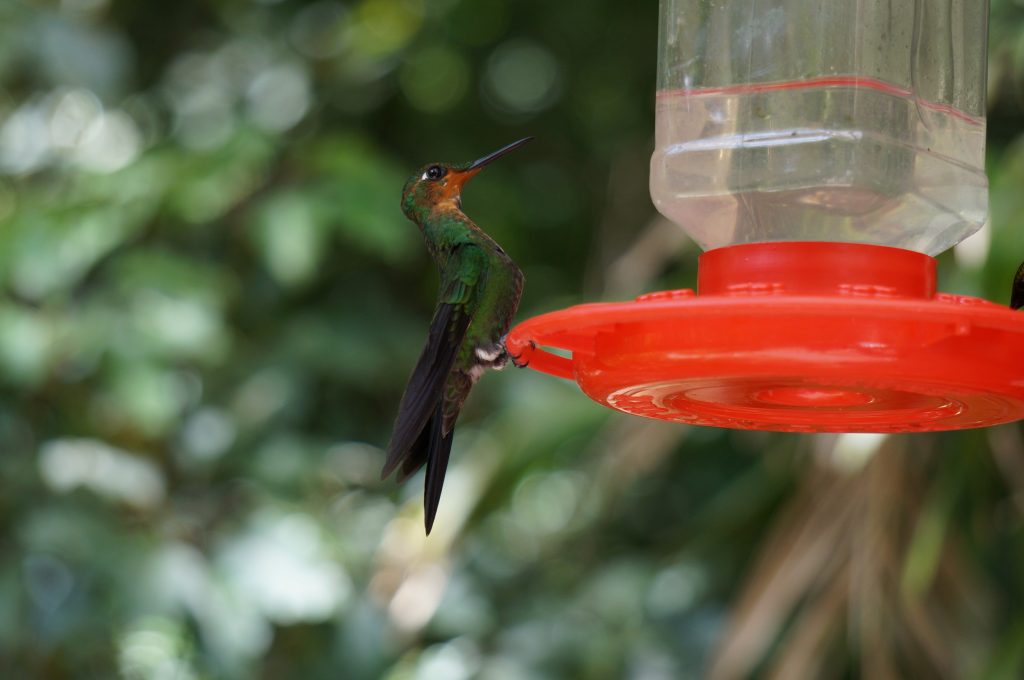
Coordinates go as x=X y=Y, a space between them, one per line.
x=211 y=304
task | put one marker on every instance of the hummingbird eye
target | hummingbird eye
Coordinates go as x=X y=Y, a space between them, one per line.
x=434 y=172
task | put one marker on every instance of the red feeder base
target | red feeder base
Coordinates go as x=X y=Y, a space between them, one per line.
x=793 y=336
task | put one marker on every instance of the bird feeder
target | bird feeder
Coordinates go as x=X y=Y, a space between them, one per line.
x=821 y=152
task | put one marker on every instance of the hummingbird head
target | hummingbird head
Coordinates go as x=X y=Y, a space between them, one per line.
x=439 y=185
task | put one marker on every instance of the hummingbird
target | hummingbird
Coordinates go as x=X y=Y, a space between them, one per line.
x=480 y=287
x=1017 y=292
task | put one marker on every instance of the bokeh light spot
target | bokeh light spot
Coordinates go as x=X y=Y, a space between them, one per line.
x=319 y=31
x=282 y=565
x=546 y=502
x=434 y=79
x=24 y=140
x=417 y=598
x=26 y=345
x=207 y=434
x=155 y=648
x=384 y=26
x=73 y=113
x=522 y=77
x=676 y=589
x=279 y=97
x=66 y=464
x=109 y=143
x=290 y=239
x=455 y=660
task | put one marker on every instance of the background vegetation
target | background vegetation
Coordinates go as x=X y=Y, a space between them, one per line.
x=211 y=303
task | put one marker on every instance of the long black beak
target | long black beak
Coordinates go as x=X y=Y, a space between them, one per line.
x=477 y=164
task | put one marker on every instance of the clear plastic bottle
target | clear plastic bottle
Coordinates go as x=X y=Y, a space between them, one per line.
x=822 y=120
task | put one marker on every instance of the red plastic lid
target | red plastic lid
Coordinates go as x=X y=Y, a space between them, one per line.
x=794 y=336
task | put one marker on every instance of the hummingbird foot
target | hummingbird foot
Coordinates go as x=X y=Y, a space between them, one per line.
x=517 y=359
x=495 y=356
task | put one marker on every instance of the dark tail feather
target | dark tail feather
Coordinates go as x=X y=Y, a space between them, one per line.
x=437 y=464
x=1017 y=294
x=423 y=393
x=417 y=457
x=433 y=449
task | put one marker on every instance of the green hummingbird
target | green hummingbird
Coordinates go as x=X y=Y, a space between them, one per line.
x=479 y=295
x=1017 y=292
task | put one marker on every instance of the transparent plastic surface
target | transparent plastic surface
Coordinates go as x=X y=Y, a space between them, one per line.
x=826 y=120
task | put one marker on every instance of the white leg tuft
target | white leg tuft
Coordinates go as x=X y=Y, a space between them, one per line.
x=489 y=355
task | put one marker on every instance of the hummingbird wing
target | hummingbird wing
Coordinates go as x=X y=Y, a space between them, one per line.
x=416 y=438
x=410 y=437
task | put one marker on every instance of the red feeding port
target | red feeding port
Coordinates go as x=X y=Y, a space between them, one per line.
x=794 y=336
